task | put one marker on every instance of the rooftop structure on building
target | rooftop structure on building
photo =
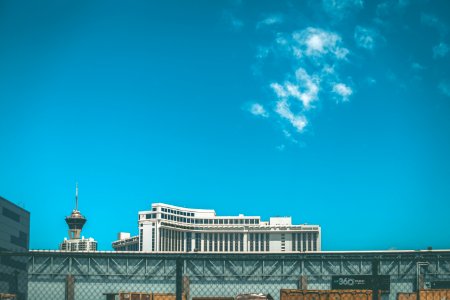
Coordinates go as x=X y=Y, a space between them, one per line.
x=75 y=221
x=168 y=228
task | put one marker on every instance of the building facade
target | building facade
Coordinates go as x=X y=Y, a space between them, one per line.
x=168 y=228
x=75 y=221
x=14 y=237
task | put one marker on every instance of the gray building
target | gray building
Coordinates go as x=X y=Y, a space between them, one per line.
x=14 y=237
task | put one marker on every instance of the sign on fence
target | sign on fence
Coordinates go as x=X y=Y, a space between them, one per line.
x=361 y=282
x=441 y=284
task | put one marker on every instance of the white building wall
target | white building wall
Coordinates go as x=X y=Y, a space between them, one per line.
x=147 y=236
x=176 y=222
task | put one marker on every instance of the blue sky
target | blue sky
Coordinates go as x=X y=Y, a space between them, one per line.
x=333 y=112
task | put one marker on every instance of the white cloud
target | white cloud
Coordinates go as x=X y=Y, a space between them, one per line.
x=310 y=84
x=271 y=20
x=440 y=50
x=342 y=90
x=298 y=121
x=305 y=89
x=316 y=55
x=365 y=37
x=317 y=42
x=258 y=110
x=444 y=87
x=279 y=90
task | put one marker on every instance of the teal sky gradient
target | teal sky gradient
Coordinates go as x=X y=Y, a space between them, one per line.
x=151 y=101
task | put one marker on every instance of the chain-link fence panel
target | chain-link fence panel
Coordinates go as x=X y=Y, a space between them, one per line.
x=13 y=276
x=89 y=276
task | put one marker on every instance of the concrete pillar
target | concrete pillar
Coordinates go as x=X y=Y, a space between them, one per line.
x=70 y=287
x=303 y=283
x=186 y=286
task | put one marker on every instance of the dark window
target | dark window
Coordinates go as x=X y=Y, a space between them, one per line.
x=21 y=241
x=10 y=214
x=294 y=244
x=241 y=242
x=13 y=263
x=215 y=241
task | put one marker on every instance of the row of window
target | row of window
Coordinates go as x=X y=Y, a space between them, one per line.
x=171 y=240
x=130 y=247
x=153 y=237
x=222 y=242
x=259 y=242
x=176 y=212
x=304 y=241
x=79 y=246
x=10 y=214
x=205 y=221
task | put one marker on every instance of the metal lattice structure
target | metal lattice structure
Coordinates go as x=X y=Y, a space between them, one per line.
x=94 y=275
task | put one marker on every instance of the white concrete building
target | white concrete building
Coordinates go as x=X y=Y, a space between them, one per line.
x=168 y=228
x=82 y=244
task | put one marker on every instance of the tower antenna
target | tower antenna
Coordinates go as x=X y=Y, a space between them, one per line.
x=76 y=197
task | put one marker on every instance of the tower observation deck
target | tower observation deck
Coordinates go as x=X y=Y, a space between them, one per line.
x=76 y=221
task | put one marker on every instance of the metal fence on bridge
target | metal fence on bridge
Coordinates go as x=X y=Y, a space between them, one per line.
x=103 y=275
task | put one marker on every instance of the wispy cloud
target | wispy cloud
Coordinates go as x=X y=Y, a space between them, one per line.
x=258 y=110
x=232 y=20
x=370 y=81
x=270 y=20
x=388 y=11
x=317 y=42
x=304 y=89
x=365 y=37
x=417 y=67
x=389 y=7
x=281 y=147
x=340 y=9
x=440 y=50
x=434 y=22
x=315 y=55
x=298 y=121
x=444 y=87
x=344 y=91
